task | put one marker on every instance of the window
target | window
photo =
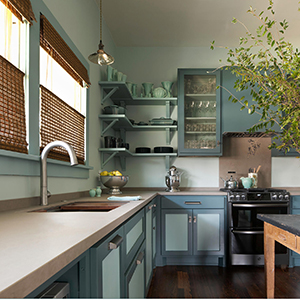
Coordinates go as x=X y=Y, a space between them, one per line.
x=13 y=33
x=63 y=94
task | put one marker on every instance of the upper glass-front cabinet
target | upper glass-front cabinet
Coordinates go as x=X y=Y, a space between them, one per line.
x=199 y=112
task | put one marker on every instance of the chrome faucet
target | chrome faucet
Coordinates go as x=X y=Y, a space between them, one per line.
x=44 y=154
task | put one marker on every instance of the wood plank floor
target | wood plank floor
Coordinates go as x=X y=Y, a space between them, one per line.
x=217 y=282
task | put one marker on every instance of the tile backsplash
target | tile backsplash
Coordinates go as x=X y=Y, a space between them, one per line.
x=240 y=154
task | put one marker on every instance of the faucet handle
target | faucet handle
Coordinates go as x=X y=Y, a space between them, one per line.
x=48 y=194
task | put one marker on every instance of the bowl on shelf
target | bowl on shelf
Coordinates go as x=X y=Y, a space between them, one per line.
x=114 y=110
x=114 y=183
x=163 y=149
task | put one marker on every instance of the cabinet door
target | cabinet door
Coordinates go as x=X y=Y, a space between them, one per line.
x=106 y=267
x=176 y=232
x=208 y=231
x=199 y=113
x=148 y=254
x=135 y=276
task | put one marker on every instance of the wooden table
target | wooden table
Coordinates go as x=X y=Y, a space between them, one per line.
x=284 y=229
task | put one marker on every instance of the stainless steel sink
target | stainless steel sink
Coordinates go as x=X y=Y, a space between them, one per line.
x=86 y=206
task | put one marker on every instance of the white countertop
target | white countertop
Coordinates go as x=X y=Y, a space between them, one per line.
x=36 y=245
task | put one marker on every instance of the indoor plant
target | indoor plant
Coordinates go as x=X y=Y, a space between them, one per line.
x=269 y=66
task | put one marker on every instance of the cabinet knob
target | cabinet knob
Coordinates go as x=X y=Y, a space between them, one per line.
x=190 y=219
x=195 y=219
x=150 y=206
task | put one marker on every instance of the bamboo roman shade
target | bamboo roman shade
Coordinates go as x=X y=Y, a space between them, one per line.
x=58 y=49
x=59 y=121
x=12 y=108
x=20 y=8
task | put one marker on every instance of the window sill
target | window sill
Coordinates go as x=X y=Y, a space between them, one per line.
x=13 y=163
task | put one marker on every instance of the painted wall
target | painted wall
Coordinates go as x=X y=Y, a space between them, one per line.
x=80 y=21
x=159 y=64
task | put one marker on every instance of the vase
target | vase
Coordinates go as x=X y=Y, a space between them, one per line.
x=167 y=85
x=98 y=191
x=129 y=85
x=134 y=90
x=109 y=73
x=148 y=86
x=92 y=192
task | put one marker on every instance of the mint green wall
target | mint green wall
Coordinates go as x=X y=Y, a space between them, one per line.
x=80 y=21
x=146 y=64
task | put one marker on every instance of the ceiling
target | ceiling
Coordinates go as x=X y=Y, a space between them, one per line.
x=189 y=23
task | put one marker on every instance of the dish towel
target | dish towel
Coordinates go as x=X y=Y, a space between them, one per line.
x=125 y=198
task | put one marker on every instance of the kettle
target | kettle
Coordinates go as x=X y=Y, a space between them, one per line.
x=172 y=180
x=230 y=183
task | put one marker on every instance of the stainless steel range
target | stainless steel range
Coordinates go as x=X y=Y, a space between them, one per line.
x=246 y=232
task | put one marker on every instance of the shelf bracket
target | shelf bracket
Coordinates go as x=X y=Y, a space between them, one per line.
x=110 y=125
x=108 y=95
x=103 y=163
x=123 y=134
x=168 y=136
x=168 y=162
x=123 y=163
x=168 y=110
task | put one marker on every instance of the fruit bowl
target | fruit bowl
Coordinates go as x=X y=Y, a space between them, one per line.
x=114 y=183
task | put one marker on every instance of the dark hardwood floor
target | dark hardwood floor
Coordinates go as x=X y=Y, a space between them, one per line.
x=217 y=282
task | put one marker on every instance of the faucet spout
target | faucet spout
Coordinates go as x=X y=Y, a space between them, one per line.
x=44 y=155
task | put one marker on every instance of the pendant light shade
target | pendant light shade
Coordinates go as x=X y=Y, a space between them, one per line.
x=101 y=57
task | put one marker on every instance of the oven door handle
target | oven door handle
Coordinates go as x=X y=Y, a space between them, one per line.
x=261 y=205
x=247 y=231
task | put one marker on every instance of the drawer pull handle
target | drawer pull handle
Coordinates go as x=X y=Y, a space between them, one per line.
x=154 y=205
x=195 y=219
x=192 y=202
x=115 y=242
x=190 y=219
x=150 y=206
x=140 y=258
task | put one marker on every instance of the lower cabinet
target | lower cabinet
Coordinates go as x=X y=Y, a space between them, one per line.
x=192 y=230
x=106 y=267
x=135 y=276
x=295 y=210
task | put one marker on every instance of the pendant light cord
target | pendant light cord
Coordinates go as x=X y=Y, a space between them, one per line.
x=100 y=21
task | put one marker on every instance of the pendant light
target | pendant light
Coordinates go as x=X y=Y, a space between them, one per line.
x=101 y=57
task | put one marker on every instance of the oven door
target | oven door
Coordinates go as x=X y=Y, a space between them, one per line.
x=246 y=232
x=242 y=216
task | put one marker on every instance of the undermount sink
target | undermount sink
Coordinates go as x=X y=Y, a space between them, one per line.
x=101 y=206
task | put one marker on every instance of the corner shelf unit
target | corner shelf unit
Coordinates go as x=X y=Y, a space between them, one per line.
x=119 y=94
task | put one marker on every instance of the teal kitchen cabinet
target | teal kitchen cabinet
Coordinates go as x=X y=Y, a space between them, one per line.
x=135 y=276
x=295 y=210
x=199 y=112
x=135 y=228
x=150 y=213
x=77 y=274
x=192 y=230
x=106 y=267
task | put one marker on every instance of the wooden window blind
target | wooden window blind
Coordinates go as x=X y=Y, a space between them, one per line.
x=58 y=49
x=12 y=108
x=59 y=121
x=20 y=8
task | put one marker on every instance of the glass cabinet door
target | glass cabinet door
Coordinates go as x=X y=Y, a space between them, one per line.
x=199 y=112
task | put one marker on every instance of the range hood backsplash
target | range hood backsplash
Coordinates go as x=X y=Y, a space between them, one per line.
x=247 y=134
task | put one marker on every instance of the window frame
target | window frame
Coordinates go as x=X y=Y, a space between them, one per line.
x=13 y=163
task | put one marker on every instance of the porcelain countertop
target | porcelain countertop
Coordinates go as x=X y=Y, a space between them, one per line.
x=36 y=245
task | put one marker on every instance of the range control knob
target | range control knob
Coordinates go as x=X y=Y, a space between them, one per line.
x=274 y=196
x=286 y=197
x=243 y=197
x=280 y=196
x=231 y=197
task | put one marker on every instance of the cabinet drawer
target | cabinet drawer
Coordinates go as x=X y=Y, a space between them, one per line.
x=134 y=236
x=192 y=202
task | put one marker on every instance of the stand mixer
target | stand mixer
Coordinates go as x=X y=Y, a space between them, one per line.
x=172 y=180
